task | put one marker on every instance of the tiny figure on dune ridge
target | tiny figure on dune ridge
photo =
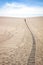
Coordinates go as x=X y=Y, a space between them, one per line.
x=25 y=20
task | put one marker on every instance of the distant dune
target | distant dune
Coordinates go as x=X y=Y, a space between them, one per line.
x=21 y=41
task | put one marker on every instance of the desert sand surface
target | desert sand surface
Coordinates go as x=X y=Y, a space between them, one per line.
x=21 y=41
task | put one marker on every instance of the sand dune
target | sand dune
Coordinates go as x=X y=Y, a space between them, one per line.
x=36 y=26
x=21 y=41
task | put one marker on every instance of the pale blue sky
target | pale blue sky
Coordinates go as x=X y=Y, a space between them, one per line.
x=27 y=2
x=21 y=8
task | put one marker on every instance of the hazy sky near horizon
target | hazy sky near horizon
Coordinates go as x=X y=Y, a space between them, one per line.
x=21 y=8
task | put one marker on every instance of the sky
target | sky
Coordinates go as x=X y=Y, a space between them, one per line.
x=21 y=8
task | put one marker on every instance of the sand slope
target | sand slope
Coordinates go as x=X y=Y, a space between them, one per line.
x=36 y=26
x=15 y=43
x=21 y=42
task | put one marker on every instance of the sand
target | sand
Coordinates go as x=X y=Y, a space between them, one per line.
x=36 y=26
x=21 y=41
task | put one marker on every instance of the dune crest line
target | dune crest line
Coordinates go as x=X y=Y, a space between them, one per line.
x=31 y=59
